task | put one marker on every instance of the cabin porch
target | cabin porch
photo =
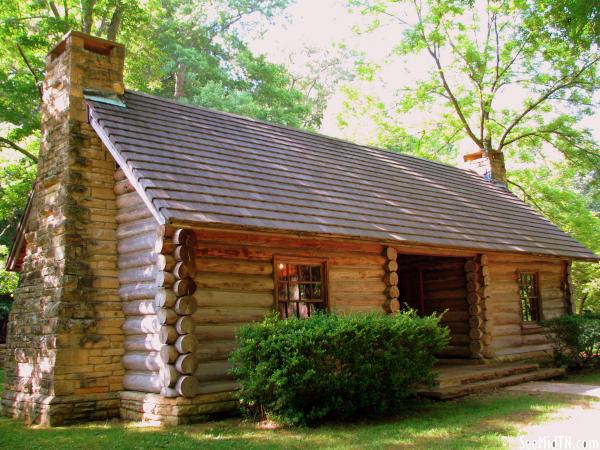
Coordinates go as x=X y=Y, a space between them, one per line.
x=441 y=284
x=456 y=379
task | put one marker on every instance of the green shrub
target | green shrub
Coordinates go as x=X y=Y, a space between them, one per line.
x=575 y=339
x=334 y=367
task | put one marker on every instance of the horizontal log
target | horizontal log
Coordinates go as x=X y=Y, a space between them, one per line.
x=184 y=253
x=123 y=187
x=470 y=266
x=165 y=262
x=166 y=316
x=145 y=274
x=391 y=254
x=215 y=350
x=185 y=325
x=168 y=375
x=168 y=392
x=142 y=382
x=213 y=371
x=184 y=236
x=236 y=266
x=128 y=200
x=186 y=343
x=456 y=316
x=503 y=342
x=457 y=282
x=139 y=308
x=392 y=292
x=391 y=266
x=168 y=354
x=350 y=286
x=476 y=333
x=483 y=260
x=228 y=315
x=391 y=279
x=216 y=332
x=184 y=269
x=250 y=253
x=472 y=286
x=137 y=291
x=218 y=387
x=184 y=287
x=475 y=322
x=142 y=342
x=139 y=259
x=140 y=325
x=147 y=361
x=138 y=212
x=119 y=175
x=186 y=306
x=450 y=294
x=164 y=279
x=165 y=298
x=163 y=246
x=507 y=330
x=459 y=339
x=392 y=305
x=147 y=225
x=476 y=346
x=136 y=243
x=242 y=282
x=222 y=298
x=354 y=274
x=187 y=386
x=475 y=310
x=186 y=364
x=168 y=334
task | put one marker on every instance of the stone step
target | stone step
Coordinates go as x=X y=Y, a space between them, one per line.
x=460 y=376
x=487 y=385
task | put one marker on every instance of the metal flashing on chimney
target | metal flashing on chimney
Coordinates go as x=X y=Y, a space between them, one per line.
x=109 y=98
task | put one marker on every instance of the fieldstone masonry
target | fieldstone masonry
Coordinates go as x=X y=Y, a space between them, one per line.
x=65 y=340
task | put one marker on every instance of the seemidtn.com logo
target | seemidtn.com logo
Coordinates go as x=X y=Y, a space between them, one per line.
x=559 y=442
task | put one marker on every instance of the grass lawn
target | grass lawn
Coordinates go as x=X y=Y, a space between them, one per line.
x=474 y=422
x=583 y=377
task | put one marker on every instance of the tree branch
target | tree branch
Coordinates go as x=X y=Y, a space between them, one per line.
x=526 y=195
x=10 y=144
x=442 y=75
x=37 y=81
x=563 y=83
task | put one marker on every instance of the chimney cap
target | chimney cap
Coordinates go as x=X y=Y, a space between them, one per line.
x=91 y=43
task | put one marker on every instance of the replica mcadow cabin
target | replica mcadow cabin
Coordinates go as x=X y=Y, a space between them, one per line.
x=156 y=228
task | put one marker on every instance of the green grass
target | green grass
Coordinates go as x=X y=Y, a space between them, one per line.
x=474 y=422
x=583 y=377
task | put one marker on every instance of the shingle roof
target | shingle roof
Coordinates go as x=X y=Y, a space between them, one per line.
x=199 y=165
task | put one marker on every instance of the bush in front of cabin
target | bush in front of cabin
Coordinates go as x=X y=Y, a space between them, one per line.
x=334 y=366
x=575 y=340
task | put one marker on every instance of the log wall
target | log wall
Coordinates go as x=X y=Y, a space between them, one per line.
x=509 y=336
x=137 y=233
x=235 y=285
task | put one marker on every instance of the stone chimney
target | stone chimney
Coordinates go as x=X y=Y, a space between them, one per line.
x=488 y=164
x=65 y=341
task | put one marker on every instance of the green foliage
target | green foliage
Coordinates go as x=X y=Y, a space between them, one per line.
x=334 y=367
x=556 y=192
x=482 y=54
x=576 y=339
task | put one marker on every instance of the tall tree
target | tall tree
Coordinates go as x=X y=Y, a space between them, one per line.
x=482 y=52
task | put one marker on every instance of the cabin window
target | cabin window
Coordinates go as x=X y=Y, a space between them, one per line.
x=529 y=291
x=301 y=287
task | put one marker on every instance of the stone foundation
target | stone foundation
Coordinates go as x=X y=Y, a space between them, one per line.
x=156 y=410
x=2 y=354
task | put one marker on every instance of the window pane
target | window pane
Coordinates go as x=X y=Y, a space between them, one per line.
x=304 y=273
x=283 y=291
x=294 y=292
x=316 y=273
x=317 y=292
x=528 y=292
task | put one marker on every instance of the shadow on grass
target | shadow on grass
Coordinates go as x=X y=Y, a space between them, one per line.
x=477 y=422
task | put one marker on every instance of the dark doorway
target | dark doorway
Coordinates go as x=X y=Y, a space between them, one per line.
x=431 y=284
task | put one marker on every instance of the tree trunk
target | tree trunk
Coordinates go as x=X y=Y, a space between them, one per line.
x=87 y=15
x=115 y=22
x=179 y=81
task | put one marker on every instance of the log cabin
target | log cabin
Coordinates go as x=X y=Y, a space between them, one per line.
x=157 y=228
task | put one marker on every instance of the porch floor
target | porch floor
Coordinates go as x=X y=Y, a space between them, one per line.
x=460 y=380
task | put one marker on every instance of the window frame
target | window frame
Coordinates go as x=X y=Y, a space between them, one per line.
x=302 y=260
x=538 y=297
